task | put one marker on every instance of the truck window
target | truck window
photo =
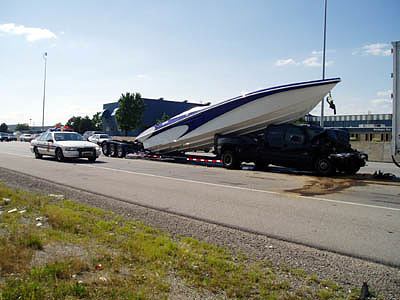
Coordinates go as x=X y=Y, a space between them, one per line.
x=294 y=136
x=275 y=137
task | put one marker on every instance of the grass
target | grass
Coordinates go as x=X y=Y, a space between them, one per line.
x=105 y=256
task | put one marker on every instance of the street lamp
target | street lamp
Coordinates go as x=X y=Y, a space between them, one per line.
x=44 y=87
x=323 y=65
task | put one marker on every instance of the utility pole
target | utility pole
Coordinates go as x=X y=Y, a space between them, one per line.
x=44 y=87
x=323 y=65
x=396 y=104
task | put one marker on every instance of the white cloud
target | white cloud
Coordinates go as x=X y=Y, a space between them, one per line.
x=381 y=101
x=285 y=62
x=31 y=34
x=387 y=93
x=377 y=49
x=315 y=61
x=143 y=76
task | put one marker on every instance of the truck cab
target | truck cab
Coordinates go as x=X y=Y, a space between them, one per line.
x=296 y=146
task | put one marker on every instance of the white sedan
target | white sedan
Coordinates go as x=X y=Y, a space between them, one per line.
x=63 y=145
x=99 y=138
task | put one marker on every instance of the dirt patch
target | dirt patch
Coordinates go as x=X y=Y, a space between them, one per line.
x=324 y=186
x=58 y=252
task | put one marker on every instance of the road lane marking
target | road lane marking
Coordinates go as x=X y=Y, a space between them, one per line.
x=242 y=188
x=21 y=155
x=230 y=186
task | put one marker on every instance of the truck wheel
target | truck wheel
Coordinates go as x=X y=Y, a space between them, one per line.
x=105 y=149
x=59 y=155
x=37 y=154
x=324 y=166
x=260 y=165
x=229 y=160
x=120 y=151
x=352 y=168
x=113 y=150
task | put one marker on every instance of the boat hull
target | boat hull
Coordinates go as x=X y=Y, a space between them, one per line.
x=241 y=115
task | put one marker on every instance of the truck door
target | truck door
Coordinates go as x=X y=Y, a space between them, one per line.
x=274 y=144
x=295 y=148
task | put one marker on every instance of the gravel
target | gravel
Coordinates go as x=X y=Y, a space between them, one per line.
x=346 y=271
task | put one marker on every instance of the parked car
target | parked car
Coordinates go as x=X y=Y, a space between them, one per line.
x=3 y=137
x=25 y=137
x=87 y=134
x=99 y=138
x=64 y=145
x=12 y=137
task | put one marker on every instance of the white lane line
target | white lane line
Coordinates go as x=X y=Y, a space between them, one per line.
x=242 y=188
x=21 y=155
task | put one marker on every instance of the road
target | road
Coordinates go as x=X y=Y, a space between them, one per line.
x=354 y=216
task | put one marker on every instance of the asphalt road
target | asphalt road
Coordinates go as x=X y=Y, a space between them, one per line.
x=356 y=216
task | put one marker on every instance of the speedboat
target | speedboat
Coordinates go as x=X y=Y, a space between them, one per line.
x=196 y=128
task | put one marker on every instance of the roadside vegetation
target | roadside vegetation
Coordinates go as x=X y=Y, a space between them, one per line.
x=53 y=248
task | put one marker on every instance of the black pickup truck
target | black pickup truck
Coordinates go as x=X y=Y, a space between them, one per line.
x=304 y=147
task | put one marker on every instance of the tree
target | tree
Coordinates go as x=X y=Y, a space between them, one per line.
x=97 y=121
x=3 y=127
x=130 y=111
x=74 y=123
x=21 y=127
x=80 y=124
x=86 y=125
x=163 y=118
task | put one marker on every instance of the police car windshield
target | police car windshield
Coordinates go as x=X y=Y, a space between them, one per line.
x=68 y=136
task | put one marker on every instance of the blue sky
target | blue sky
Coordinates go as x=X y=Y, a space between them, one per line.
x=194 y=50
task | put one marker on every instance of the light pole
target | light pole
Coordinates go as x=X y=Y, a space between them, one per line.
x=44 y=87
x=323 y=66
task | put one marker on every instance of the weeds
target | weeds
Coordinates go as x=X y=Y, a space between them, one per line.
x=127 y=260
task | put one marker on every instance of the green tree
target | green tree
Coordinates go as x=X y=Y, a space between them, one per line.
x=74 y=123
x=21 y=127
x=97 y=121
x=3 y=127
x=130 y=111
x=86 y=125
x=163 y=118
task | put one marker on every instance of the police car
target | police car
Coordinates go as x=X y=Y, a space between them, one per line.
x=63 y=144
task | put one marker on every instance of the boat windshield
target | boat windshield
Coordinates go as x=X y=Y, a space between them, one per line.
x=181 y=116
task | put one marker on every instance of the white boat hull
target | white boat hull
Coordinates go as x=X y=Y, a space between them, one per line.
x=276 y=108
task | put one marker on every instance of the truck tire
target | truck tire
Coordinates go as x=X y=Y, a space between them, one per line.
x=121 y=151
x=352 y=168
x=324 y=166
x=105 y=149
x=260 y=165
x=229 y=160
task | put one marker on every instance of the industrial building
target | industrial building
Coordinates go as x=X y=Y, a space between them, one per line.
x=154 y=110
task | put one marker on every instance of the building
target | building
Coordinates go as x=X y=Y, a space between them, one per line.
x=371 y=133
x=154 y=110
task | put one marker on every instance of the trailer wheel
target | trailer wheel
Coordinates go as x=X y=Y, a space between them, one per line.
x=324 y=166
x=121 y=151
x=105 y=149
x=113 y=150
x=229 y=160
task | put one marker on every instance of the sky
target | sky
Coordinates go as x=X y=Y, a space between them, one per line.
x=199 y=51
